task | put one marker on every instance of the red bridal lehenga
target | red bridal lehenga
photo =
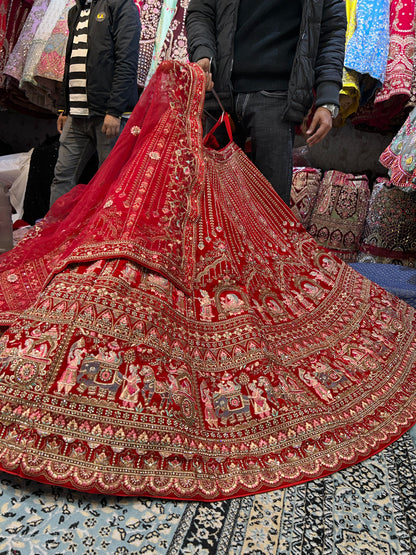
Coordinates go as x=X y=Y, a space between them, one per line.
x=178 y=334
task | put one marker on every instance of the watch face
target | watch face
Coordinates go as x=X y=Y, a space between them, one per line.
x=332 y=108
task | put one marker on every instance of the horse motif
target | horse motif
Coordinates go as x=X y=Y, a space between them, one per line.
x=152 y=385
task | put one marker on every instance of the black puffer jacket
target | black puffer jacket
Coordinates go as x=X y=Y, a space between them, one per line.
x=113 y=49
x=318 y=63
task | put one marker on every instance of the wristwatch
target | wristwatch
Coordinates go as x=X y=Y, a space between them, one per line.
x=332 y=108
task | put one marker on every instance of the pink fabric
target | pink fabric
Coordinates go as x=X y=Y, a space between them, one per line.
x=52 y=61
x=17 y=12
x=399 y=70
x=17 y=59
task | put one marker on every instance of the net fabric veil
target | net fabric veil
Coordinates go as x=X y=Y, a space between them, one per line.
x=104 y=222
x=188 y=339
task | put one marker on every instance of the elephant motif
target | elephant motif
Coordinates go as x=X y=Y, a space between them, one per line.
x=230 y=405
x=103 y=377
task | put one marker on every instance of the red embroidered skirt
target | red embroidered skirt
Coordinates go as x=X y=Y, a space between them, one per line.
x=171 y=330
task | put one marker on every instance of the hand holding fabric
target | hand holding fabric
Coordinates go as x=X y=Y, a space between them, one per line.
x=205 y=65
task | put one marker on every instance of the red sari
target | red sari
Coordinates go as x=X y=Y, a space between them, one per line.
x=180 y=335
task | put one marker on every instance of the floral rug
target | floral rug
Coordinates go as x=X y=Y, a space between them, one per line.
x=367 y=509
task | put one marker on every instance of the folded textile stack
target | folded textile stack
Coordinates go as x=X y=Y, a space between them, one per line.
x=337 y=221
x=390 y=228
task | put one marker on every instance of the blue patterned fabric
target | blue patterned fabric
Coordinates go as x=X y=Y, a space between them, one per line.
x=399 y=280
x=368 y=48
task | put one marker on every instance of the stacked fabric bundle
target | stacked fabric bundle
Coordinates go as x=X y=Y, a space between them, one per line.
x=305 y=187
x=357 y=220
x=390 y=228
x=333 y=209
x=400 y=156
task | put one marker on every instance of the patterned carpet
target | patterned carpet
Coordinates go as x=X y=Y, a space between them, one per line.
x=369 y=509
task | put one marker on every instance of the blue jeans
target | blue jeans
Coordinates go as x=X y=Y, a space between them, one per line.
x=259 y=115
x=79 y=139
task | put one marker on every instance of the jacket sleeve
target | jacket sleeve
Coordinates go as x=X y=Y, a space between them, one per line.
x=126 y=28
x=200 y=29
x=331 y=51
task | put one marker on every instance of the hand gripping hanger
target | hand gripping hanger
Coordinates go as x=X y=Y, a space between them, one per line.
x=224 y=118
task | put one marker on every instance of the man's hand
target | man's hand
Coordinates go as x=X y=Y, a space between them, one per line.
x=111 y=126
x=205 y=64
x=61 y=122
x=320 y=126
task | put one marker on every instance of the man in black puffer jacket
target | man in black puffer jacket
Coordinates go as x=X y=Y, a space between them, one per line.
x=266 y=60
x=99 y=84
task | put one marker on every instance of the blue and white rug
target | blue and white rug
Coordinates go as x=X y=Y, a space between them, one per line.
x=368 y=509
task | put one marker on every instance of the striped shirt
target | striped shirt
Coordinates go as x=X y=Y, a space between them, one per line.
x=78 y=104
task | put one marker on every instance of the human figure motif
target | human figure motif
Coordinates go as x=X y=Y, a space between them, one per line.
x=260 y=404
x=232 y=303
x=291 y=390
x=179 y=379
x=274 y=309
x=312 y=290
x=109 y=355
x=226 y=385
x=206 y=305
x=209 y=410
x=329 y=265
x=74 y=359
x=152 y=385
x=310 y=380
x=130 y=391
